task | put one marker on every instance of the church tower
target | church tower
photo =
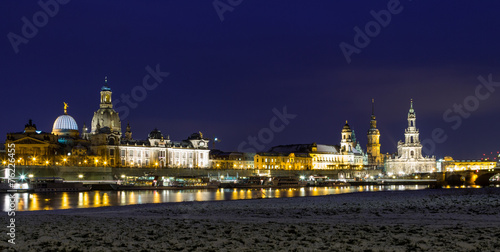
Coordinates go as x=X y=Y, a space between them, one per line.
x=346 y=144
x=106 y=119
x=373 y=145
x=412 y=147
x=106 y=95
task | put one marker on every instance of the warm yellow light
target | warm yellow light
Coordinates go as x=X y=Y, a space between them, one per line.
x=96 y=160
x=30 y=176
x=80 y=176
x=156 y=163
x=4 y=162
x=85 y=161
x=64 y=160
x=34 y=159
x=123 y=176
x=105 y=162
x=46 y=162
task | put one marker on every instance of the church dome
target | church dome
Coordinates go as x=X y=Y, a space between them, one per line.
x=106 y=116
x=346 y=128
x=65 y=125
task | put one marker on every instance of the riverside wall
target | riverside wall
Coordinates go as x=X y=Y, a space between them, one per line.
x=113 y=173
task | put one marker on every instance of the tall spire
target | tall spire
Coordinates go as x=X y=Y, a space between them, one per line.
x=373 y=107
x=412 y=111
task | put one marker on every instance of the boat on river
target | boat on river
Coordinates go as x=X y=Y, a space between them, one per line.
x=14 y=186
x=153 y=182
x=56 y=184
x=286 y=182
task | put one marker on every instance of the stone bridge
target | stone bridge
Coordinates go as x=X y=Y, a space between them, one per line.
x=468 y=177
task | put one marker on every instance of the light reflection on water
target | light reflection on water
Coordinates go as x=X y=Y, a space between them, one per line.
x=70 y=200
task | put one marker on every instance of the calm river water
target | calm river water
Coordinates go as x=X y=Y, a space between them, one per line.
x=71 y=200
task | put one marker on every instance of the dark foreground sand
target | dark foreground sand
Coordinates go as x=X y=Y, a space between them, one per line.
x=428 y=220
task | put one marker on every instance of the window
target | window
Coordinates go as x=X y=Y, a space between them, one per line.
x=123 y=153
x=111 y=152
x=131 y=153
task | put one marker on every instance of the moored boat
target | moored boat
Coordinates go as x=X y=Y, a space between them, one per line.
x=56 y=184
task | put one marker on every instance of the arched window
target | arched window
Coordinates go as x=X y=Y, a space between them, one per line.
x=412 y=153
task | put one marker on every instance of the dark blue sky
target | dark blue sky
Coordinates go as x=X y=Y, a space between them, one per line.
x=225 y=77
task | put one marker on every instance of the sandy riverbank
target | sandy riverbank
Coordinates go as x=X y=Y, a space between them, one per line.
x=427 y=220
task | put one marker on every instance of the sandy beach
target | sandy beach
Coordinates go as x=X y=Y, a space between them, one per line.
x=425 y=220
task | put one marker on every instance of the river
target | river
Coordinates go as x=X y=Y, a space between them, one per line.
x=72 y=200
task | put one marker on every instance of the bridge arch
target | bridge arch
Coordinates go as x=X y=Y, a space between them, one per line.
x=484 y=179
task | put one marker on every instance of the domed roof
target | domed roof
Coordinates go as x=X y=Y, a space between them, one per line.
x=155 y=134
x=346 y=128
x=65 y=122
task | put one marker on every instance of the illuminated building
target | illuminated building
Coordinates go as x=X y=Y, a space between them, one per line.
x=161 y=152
x=283 y=161
x=347 y=155
x=373 y=144
x=156 y=151
x=104 y=146
x=231 y=160
x=451 y=165
x=106 y=119
x=33 y=147
x=65 y=125
x=409 y=159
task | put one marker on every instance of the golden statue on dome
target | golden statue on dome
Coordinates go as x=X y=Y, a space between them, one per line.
x=65 y=108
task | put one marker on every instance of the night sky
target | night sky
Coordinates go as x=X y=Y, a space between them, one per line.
x=225 y=77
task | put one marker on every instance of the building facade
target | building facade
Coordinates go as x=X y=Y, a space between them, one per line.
x=450 y=165
x=156 y=152
x=409 y=158
x=231 y=160
x=33 y=147
x=346 y=156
